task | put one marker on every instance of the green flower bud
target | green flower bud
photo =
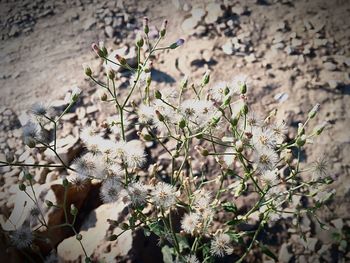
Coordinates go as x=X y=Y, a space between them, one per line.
x=139 y=40
x=121 y=60
x=314 y=110
x=239 y=146
x=112 y=238
x=145 y=25
x=124 y=226
x=244 y=109
x=48 y=203
x=163 y=28
x=206 y=77
x=234 y=121
x=159 y=116
x=243 y=88
x=28 y=176
x=22 y=187
x=111 y=74
x=79 y=237
x=301 y=141
x=104 y=97
x=157 y=94
x=73 y=210
x=87 y=70
x=182 y=123
x=9 y=157
x=65 y=182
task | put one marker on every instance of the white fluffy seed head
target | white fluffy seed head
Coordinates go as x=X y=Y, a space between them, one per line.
x=164 y=195
x=22 y=237
x=91 y=166
x=220 y=245
x=111 y=190
x=265 y=159
x=138 y=193
x=189 y=222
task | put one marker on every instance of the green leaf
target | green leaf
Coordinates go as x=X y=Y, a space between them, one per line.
x=183 y=243
x=167 y=254
x=268 y=252
x=156 y=228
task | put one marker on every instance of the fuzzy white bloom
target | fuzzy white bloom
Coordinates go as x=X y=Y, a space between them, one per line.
x=189 y=222
x=97 y=144
x=319 y=168
x=270 y=177
x=138 y=193
x=265 y=159
x=115 y=170
x=146 y=114
x=75 y=93
x=253 y=120
x=263 y=138
x=191 y=259
x=135 y=155
x=202 y=198
x=217 y=92
x=41 y=109
x=280 y=130
x=119 y=150
x=220 y=245
x=87 y=133
x=111 y=190
x=199 y=113
x=31 y=133
x=228 y=157
x=22 y=237
x=164 y=195
x=89 y=165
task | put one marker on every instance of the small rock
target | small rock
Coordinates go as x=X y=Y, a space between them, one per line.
x=109 y=31
x=189 y=25
x=330 y=66
x=14 y=31
x=214 y=11
x=338 y=223
x=238 y=10
x=89 y=23
x=333 y=84
x=284 y=255
x=108 y=20
x=227 y=48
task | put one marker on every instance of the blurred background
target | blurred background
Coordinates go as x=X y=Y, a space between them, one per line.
x=294 y=53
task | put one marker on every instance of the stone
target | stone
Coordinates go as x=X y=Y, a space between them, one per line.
x=333 y=84
x=238 y=10
x=284 y=255
x=189 y=25
x=89 y=23
x=108 y=20
x=330 y=66
x=227 y=48
x=109 y=31
x=95 y=230
x=214 y=11
x=67 y=149
x=14 y=31
x=338 y=223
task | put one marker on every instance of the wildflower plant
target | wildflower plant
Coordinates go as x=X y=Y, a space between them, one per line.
x=203 y=123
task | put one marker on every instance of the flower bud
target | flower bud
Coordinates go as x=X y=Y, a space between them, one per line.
x=28 y=176
x=22 y=187
x=101 y=44
x=124 y=226
x=145 y=25
x=234 y=121
x=87 y=70
x=287 y=156
x=182 y=123
x=184 y=82
x=29 y=141
x=206 y=77
x=75 y=94
x=73 y=210
x=139 y=40
x=314 y=110
x=79 y=237
x=244 y=109
x=176 y=44
x=239 y=146
x=243 y=88
x=319 y=129
x=301 y=129
x=121 y=59
x=103 y=96
x=65 y=182
x=301 y=141
x=203 y=151
x=112 y=237
x=97 y=50
x=48 y=203
x=159 y=116
x=157 y=94
x=163 y=28
x=227 y=100
x=9 y=157
x=111 y=74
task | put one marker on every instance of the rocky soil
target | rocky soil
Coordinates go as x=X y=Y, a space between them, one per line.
x=295 y=54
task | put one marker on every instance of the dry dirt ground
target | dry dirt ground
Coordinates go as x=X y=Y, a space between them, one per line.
x=295 y=54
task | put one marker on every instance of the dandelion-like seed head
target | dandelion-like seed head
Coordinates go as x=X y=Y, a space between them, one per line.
x=189 y=222
x=220 y=245
x=164 y=195
x=138 y=193
x=320 y=168
x=191 y=259
x=111 y=190
x=22 y=237
x=265 y=159
x=91 y=166
x=270 y=177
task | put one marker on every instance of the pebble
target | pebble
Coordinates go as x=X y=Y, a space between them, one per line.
x=330 y=66
x=227 y=48
x=284 y=256
x=109 y=31
x=89 y=23
x=238 y=10
x=214 y=11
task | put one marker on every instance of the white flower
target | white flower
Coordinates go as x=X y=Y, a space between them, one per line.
x=265 y=159
x=119 y=150
x=89 y=165
x=146 y=114
x=263 y=138
x=319 y=170
x=270 y=177
x=114 y=170
x=32 y=132
x=280 y=130
x=22 y=237
x=190 y=222
x=220 y=245
x=111 y=190
x=135 y=155
x=87 y=133
x=191 y=259
x=41 y=109
x=138 y=193
x=217 y=92
x=75 y=93
x=253 y=120
x=164 y=195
